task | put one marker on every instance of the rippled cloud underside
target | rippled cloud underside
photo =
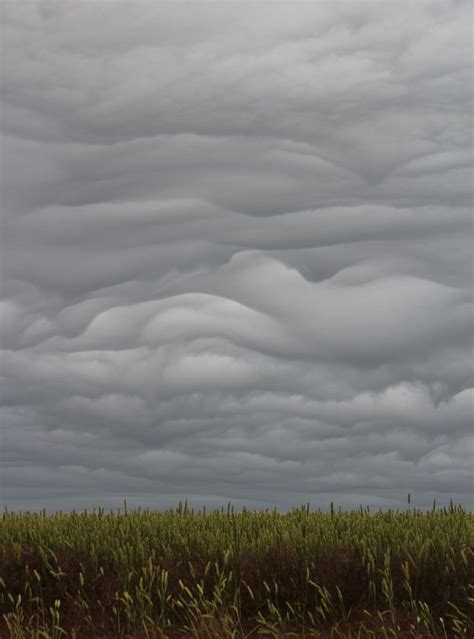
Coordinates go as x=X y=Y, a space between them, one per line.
x=237 y=253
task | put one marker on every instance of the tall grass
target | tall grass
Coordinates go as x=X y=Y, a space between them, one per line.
x=226 y=574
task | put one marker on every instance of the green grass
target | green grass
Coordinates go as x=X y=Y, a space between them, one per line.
x=226 y=574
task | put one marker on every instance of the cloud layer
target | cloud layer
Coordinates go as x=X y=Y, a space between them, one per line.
x=237 y=254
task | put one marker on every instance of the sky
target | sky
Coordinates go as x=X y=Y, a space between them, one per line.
x=236 y=254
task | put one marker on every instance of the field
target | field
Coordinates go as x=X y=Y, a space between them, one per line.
x=225 y=574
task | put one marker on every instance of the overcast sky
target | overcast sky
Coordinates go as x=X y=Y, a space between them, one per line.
x=236 y=253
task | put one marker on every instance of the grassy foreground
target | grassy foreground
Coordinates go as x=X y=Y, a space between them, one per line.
x=223 y=574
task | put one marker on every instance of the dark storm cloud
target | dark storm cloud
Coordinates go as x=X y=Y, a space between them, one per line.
x=237 y=253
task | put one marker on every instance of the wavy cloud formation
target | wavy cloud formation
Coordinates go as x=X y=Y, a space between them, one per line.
x=237 y=254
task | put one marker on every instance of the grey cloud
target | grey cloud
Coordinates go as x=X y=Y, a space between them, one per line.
x=237 y=254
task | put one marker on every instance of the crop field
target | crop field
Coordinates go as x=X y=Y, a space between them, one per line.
x=227 y=574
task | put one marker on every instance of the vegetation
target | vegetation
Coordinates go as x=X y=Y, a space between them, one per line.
x=226 y=574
